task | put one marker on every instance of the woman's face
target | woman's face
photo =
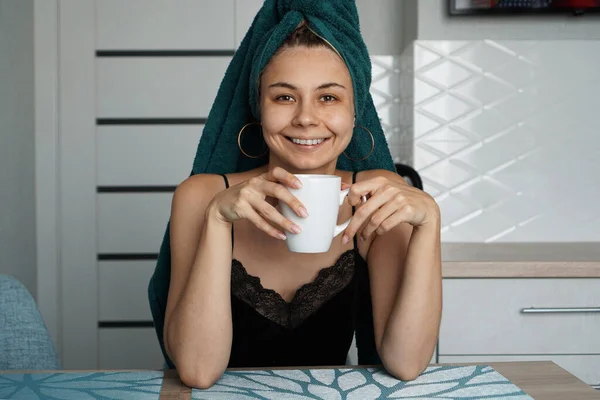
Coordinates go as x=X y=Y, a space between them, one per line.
x=307 y=108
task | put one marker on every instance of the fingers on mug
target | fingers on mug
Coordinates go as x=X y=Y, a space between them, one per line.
x=340 y=228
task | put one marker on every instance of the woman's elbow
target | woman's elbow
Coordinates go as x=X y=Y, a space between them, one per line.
x=402 y=368
x=404 y=372
x=198 y=377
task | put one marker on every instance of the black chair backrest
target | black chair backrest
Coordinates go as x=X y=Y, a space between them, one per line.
x=410 y=175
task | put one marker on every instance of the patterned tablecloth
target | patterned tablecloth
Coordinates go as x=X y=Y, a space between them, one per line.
x=437 y=382
x=144 y=385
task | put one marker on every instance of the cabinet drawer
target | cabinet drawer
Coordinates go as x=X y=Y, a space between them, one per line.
x=486 y=316
x=129 y=348
x=132 y=222
x=585 y=367
x=151 y=87
x=160 y=25
x=123 y=290
x=175 y=147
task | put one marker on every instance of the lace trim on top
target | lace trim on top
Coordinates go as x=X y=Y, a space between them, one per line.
x=307 y=300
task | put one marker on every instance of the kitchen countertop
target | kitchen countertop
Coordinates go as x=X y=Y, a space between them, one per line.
x=521 y=260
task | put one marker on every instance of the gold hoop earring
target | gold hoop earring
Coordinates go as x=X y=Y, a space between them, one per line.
x=372 y=146
x=240 y=141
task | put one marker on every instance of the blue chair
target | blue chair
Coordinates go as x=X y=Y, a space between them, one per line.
x=25 y=343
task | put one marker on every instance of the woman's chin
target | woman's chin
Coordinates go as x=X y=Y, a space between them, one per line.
x=318 y=165
x=300 y=162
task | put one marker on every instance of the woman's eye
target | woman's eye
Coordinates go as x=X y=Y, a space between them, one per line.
x=328 y=98
x=285 y=98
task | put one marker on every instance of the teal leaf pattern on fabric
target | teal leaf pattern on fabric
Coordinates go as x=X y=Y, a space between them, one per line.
x=436 y=382
x=279 y=383
x=368 y=392
x=82 y=386
x=296 y=375
x=324 y=392
x=351 y=380
x=486 y=378
x=428 y=389
x=325 y=376
x=444 y=375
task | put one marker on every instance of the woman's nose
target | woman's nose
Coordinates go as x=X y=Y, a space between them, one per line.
x=305 y=115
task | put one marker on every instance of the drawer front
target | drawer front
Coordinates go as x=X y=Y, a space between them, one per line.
x=123 y=290
x=147 y=87
x=132 y=222
x=160 y=25
x=485 y=316
x=164 y=159
x=129 y=348
x=244 y=14
x=585 y=367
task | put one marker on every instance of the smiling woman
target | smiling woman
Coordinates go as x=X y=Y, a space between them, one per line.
x=237 y=297
x=307 y=113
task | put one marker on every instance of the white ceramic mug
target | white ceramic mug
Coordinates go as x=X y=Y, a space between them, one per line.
x=322 y=197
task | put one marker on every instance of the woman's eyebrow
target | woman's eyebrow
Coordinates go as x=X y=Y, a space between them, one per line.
x=320 y=87
x=283 y=85
x=330 y=84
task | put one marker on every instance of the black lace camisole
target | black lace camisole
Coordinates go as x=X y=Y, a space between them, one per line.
x=315 y=328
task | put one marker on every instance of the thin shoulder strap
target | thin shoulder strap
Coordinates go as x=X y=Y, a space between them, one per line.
x=227 y=187
x=226 y=181
x=354 y=209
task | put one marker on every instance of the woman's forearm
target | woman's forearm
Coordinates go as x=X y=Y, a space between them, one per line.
x=412 y=329
x=199 y=333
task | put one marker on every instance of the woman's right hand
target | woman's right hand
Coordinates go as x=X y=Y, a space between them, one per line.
x=247 y=200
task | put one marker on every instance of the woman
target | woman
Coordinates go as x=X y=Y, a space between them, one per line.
x=239 y=298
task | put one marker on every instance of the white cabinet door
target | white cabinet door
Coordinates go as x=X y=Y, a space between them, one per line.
x=160 y=25
x=520 y=316
x=116 y=144
x=158 y=87
x=245 y=11
x=136 y=80
x=129 y=348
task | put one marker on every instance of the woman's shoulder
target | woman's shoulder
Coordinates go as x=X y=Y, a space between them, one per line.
x=200 y=185
x=207 y=186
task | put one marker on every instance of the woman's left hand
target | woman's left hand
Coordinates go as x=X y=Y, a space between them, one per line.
x=390 y=203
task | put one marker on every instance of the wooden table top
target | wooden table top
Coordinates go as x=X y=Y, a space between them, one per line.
x=545 y=380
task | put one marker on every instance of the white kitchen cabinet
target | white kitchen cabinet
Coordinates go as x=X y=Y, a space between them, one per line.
x=487 y=320
x=490 y=316
x=157 y=25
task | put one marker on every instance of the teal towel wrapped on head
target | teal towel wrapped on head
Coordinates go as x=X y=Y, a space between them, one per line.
x=236 y=104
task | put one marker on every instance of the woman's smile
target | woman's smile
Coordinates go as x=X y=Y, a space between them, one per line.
x=304 y=144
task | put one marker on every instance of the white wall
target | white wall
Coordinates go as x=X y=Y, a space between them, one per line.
x=505 y=138
x=504 y=74
x=17 y=202
x=381 y=25
x=435 y=24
